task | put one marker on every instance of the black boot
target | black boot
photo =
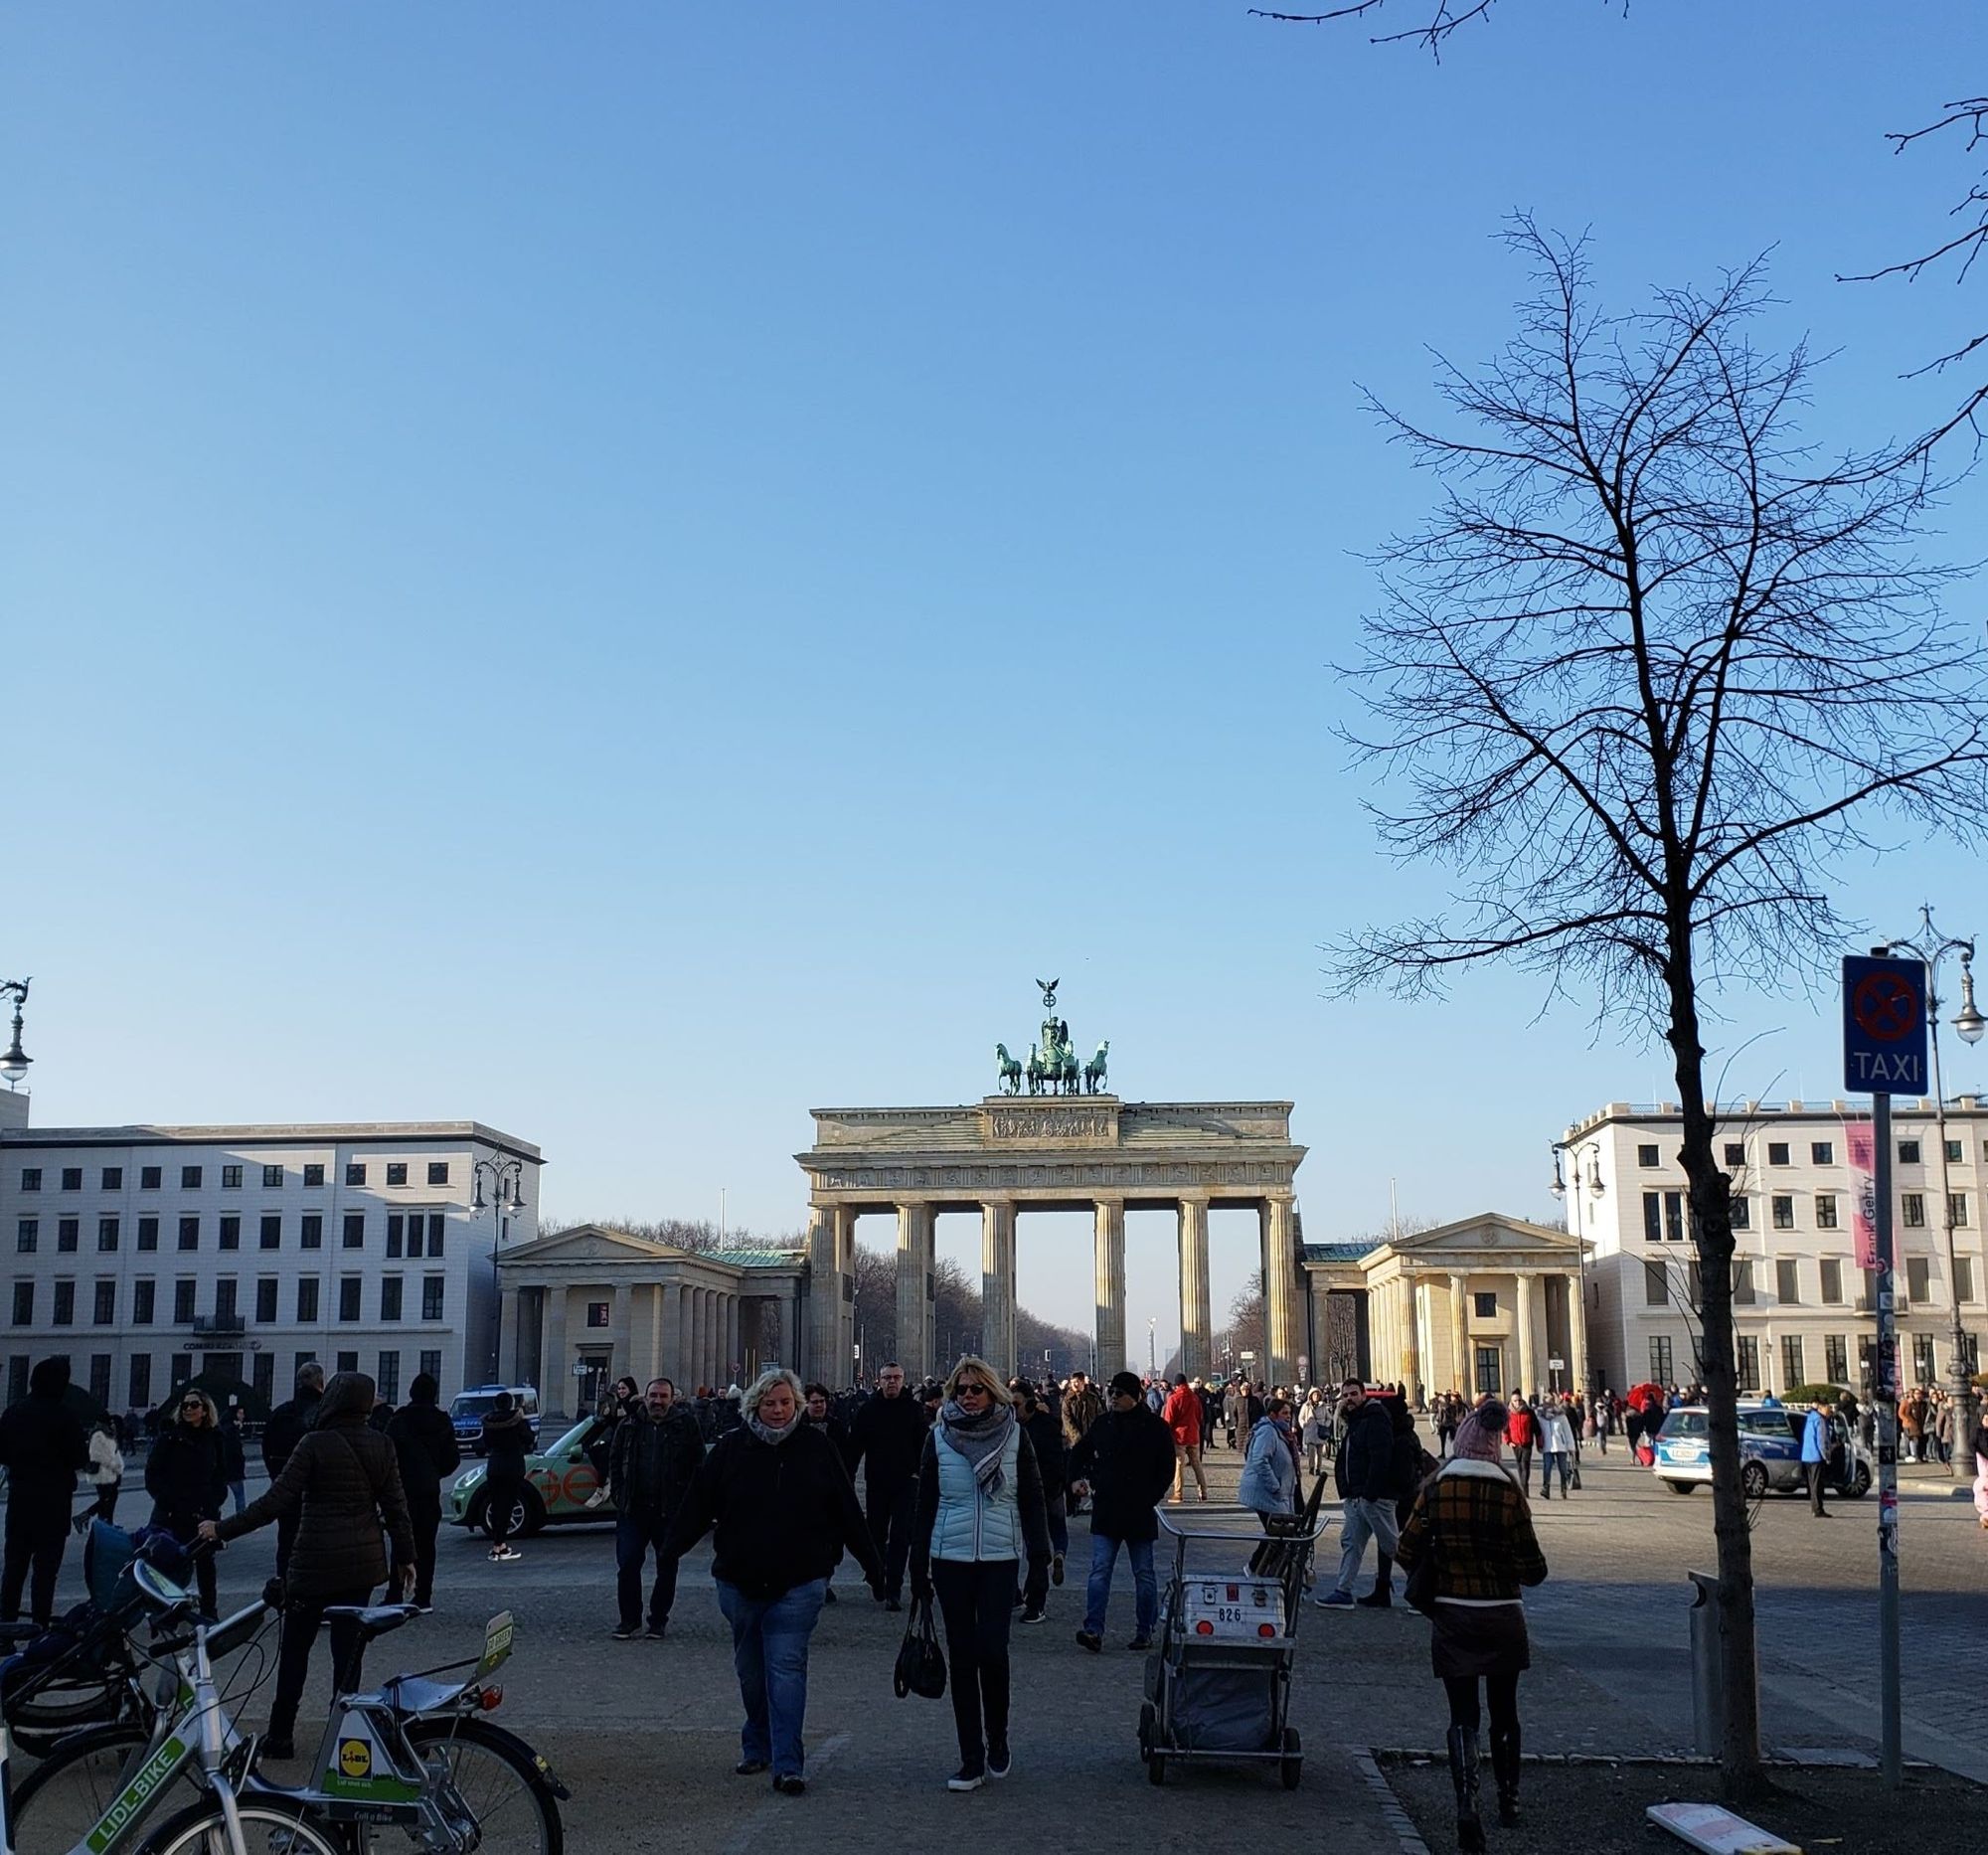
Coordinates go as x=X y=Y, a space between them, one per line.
x=1383 y=1593
x=1505 y=1767
x=1463 y=1773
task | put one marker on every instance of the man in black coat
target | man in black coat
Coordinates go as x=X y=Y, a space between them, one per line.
x=42 y=1446
x=287 y=1427
x=1364 y=1474
x=1126 y=1463
x=657 y=1450
x=887 y=1439
x=424 y=1441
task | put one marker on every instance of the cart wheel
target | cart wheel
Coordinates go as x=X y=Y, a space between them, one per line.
x=1290 y=1768
x=1156 y=1766
x=1147 y=1716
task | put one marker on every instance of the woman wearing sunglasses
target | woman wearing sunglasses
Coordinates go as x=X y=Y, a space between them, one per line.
x=980 y=1508
x=187 y=1479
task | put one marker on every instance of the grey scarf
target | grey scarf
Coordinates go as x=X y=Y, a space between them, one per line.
x=767 y=1433
x=981 y=1439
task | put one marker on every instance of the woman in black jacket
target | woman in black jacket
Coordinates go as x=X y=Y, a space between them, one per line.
x=1406 y=1472
x=505 y=1442
x=186 y=1476
x=782 y=1508
x=424 y=1440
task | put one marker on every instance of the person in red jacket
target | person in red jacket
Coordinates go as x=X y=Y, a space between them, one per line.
x=1181 y=1415
x=1521 y=1432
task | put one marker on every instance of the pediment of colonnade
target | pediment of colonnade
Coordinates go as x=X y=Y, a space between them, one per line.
x=1489 y=1242
x=1053 y=1148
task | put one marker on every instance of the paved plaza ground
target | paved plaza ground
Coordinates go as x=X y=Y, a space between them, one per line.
x=645 y=1733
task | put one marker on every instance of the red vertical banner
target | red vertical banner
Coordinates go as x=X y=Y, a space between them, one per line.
x=1861 y=1143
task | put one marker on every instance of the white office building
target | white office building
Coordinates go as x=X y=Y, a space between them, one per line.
x=147 y=1254
x=1804 y=1310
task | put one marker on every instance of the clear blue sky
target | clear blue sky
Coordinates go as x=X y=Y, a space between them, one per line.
x=630 y=571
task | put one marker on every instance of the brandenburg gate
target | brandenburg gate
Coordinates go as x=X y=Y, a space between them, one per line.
x=1010 y=1153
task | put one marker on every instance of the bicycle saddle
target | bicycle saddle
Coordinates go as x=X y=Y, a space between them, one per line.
x=373 y=1620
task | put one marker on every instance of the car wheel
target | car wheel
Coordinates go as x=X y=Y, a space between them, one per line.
x=1681 y=1487
x=1860 y=1482
x=529 y=1516
x=1754 y=1481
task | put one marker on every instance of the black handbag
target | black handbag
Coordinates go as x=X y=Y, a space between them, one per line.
x=1419 y=1589
x=921 y=1665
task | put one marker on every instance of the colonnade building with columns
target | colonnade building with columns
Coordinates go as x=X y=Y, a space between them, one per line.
x=1008 y=1155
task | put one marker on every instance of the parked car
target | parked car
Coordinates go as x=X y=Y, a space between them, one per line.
x=1770 y=1438
x=559 y=1482
x=467 y=1410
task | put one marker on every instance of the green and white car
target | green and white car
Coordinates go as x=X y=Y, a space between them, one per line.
x=559 y=1482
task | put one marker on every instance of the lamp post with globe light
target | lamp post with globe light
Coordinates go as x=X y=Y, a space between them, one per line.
x=1591 y=1150
x=14 y=1064
x=1930 y=948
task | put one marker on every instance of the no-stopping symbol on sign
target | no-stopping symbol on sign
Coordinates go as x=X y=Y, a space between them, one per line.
x=1884 y=1026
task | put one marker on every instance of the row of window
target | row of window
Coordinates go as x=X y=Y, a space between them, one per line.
x=226 y=1306
x=179 y=1368
x=1660 y=1287
x=1820 y=1154
x=151 y=1178
x=421 y=1233
x=1835 y=1360
x=1664 y=1213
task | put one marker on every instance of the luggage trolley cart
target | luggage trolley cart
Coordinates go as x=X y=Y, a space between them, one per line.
x=1220 y=1684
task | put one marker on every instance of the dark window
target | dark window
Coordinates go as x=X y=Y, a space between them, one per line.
x=1957 y=1209
x=431 y=1298
x=1918 y=1278
x=1660 y=1358
x=397 y=1172
x=141 y=1380
x=1656 y=1284
x=231 y=1178
x=1777 y=1152
x=189 y=1178
x=189 y=1233
x=266 y=1298
x=148 y=1233
x=354 y=1230
x=390 y=1297
x=271 y=1235
x=272 y=1176
x=348 y=1362
x=1822 y=1152
x=106 y=1234
x=265 y=1377
x=434 y=1234
x=1784 y=1214
x=1742 y=1282
x=1909 y=1152
x=1485 y=1305
x=388 y=1378
x=144 y=1292
x=1749 y=1361
x=71 y=1178
x=598 y=1312
x=1825 y=1211
x=1832 y=1281
x=31 y=1178
x=313 y=1175
x=67 y=1232
x=311 y=1230
x=1653 y=1217
x=1836 y=1358
x=28 y=1236
x=226 y=1303
x=179 y=1368
x=1647 y=1156
x=1911 y=1210
x=1963 y=1278
x=431 y=1364
x=355 y=1173
x=17 y=1377
x=64 y=1304
x=148 y=1181
x=99 y=1378
x=103 y=1313
x=395 y=1222
x=24 y=1304
x=1955 y=1152
x=1742 y=1213
x=437 y=1172
x=230 y=1232
x=307 y=1304
x=1735 y=1154
x=415 y=1234
x=113 y=1179
x=348 y=1297
x=184 y=1291
x=1788 y=1279
x=1791 y=1362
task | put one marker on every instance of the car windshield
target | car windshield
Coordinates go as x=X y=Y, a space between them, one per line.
x=473 y=1403
x=1684 y=1424
x=573 y=1437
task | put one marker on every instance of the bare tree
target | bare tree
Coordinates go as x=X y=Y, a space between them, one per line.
x=1647 y=673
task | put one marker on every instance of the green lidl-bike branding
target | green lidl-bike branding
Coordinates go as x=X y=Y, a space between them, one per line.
x=151 y=1774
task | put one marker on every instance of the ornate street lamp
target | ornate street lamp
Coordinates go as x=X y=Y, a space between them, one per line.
x=14 y=1065
x=503 y=1174
x=1592 y=1151
x=1970 y=1024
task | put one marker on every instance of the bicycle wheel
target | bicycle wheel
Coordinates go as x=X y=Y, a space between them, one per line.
x=266 y=1829
x=498 y=1786
x=59 y=1706
x=61 y=1799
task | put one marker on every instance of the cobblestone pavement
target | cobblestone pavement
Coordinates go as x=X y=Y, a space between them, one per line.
x=646 y=1732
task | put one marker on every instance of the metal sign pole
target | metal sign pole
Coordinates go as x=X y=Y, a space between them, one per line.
x=1888 y=1447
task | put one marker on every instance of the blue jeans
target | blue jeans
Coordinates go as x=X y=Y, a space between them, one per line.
x=1145 y=1587
x=770 y=1649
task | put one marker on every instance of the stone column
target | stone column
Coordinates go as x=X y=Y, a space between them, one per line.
x=1412 y=1339
x=735 y=1354
x=1110 y=1252
x=1577 y=1334
x=997 y=1285
x=669 y=1323
x=843 y=1224
x=819 y=1354
x=561 y=1394
x=509 y=1367
x=1462 y=1366
x=1527 y=1377
x=1284 y=1317
x=915 y=1244
x=1197 y=1339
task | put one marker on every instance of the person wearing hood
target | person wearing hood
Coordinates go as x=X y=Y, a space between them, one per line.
x=505 y=1442
x=41 y=1447
x=1126 y=1463
x=1269 y=1469
x=424 y=1444
x=655 y=1453
x=342 y=1483
x=186 y=1476
x=780 y=1506
x=286 y=1427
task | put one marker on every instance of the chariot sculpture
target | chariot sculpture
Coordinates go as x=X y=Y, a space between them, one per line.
x=1053 y=1067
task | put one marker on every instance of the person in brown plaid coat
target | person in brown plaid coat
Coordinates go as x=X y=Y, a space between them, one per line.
x=1471 y=1523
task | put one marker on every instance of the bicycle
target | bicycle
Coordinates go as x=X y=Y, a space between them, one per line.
x=412 y=1763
